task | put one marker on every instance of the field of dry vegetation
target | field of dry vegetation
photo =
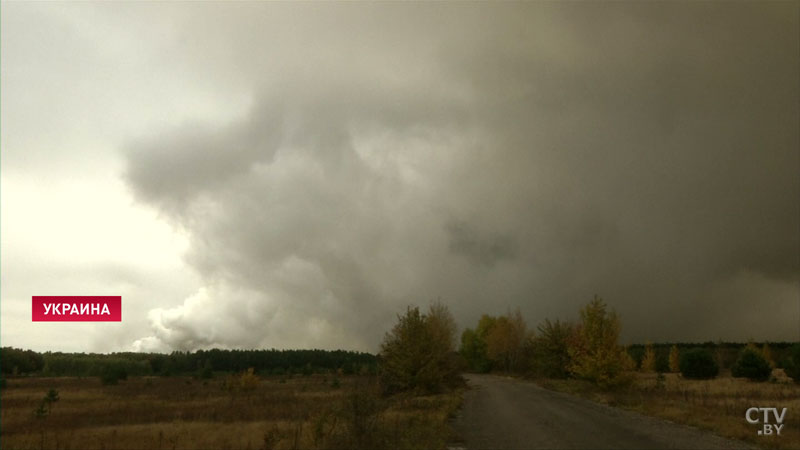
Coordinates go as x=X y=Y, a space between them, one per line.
x=717 y=405
x=317 y=411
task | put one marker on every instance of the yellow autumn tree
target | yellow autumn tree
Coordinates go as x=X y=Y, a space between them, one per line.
x=649 y=358
x=505 y=341
x=594 y=349
x=674 y=359
x=628 y=363
x=248 y=380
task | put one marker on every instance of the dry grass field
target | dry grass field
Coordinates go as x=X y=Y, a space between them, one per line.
x=183 y=413
x=716 y=405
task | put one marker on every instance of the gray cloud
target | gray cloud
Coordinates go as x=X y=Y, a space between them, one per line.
x=527 y=155
x=480 y=248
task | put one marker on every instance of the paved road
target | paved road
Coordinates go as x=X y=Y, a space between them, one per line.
x=503 y=413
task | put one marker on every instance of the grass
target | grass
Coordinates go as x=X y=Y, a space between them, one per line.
x=716 y=405
x=183 y=413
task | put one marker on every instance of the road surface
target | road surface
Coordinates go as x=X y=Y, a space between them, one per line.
x=504 y=413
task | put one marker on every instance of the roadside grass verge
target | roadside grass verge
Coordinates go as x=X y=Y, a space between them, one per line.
x=716 y=405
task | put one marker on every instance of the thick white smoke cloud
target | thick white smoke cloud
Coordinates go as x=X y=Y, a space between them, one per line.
x=520 y=155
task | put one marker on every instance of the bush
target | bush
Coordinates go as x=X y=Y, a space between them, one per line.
x=792 y=364
x=698 y=363
x=108 y=379
x=248 y=380
x=112 y=374
x=751 y=365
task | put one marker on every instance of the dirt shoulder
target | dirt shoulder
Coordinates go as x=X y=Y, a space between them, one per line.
x=506 y=413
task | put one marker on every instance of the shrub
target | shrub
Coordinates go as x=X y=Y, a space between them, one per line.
x=248 y=380
x=112 y=374
x=698 y=363
x=50 y=398
x=751 y=365
x=45 y=406
x=41 y=412
x=108 y=380
x=245 y=381
x=792 y=363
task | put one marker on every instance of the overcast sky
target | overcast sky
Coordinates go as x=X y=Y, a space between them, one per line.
x=258 y=175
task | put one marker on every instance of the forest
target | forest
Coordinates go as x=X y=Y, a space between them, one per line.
x=14 y=361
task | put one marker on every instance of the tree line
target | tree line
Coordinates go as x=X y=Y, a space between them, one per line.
x=14 y=361
x=590 y=349
x=420 y=354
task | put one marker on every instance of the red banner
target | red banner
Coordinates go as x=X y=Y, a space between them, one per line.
x=81 y=308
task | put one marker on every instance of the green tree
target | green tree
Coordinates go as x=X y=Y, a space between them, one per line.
x=751 y=365
x=474 y=348
x=549 y=349
x=698 y=363
x=792 y=363
x=417 y=354
x=594 y=351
